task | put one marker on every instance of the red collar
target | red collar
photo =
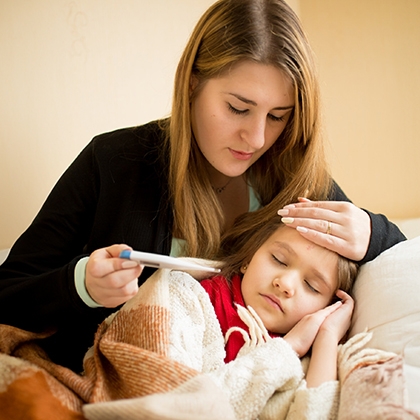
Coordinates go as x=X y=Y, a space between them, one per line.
x=223 y=295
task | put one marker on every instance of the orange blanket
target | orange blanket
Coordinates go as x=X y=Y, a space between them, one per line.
x=125 y=362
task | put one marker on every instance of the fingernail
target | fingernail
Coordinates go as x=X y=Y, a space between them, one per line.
x=302 y=229
x=287 y=220
x=283 y=212
x=129 y=264
x=289 y=206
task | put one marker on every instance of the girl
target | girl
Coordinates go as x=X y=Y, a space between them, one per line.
x=298 y=289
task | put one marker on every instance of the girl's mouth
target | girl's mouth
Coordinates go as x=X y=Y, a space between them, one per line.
x=273 y=301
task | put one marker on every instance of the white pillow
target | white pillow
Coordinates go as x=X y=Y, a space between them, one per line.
x=387 y=299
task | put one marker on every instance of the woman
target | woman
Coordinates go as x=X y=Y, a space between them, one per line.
x=244 y=134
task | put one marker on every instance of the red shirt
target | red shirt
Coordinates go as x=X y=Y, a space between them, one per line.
x=223 y=295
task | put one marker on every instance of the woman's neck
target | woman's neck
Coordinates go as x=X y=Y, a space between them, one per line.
x=234 y=200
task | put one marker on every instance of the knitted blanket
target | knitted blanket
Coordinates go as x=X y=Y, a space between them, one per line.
x=161 y=357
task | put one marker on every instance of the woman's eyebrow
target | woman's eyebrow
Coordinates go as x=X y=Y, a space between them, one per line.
x=251 y=102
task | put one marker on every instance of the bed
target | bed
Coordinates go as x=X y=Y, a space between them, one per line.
x=379 y=372
x=387 y=296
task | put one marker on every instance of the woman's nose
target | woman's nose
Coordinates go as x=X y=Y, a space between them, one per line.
x=254 y=133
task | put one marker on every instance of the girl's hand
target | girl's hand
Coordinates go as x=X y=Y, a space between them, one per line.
x=323 y=364
x=338 y=322
x=110 y=280
x=337 y=225
x=303 y=334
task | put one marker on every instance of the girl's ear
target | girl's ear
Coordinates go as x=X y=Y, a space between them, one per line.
x=244 y=268
x=334 y=299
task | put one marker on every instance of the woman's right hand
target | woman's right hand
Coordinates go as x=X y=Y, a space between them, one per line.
x=110 y=280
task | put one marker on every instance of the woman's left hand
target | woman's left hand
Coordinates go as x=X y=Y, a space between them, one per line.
x=337 y=225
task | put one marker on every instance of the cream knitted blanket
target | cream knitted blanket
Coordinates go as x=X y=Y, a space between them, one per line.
x=161 y=357
x=181 y=308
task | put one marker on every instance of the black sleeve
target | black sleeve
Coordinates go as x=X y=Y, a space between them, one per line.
x=38 y=273
x=112 y=193
x=384 y=234
x=37 y=290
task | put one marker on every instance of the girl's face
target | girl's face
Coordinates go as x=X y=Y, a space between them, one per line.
x=237 y=117
x=288 y=278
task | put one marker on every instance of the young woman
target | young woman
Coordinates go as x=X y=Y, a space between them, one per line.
x=243 y=135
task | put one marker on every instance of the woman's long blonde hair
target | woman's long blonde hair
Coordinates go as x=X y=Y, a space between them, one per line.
x=267 y=32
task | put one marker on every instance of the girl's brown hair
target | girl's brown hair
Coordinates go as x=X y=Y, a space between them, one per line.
x=231 y=31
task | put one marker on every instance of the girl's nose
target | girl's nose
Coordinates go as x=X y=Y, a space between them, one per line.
x=285 y=284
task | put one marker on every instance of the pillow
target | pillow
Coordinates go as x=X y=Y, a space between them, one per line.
x=387 y=299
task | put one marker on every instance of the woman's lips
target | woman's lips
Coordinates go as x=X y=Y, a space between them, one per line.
x=241 y=155
x=273 y=301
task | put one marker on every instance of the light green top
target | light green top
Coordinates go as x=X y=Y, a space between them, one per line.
x=177 y=244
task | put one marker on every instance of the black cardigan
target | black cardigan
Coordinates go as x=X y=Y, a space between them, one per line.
x=114 y=192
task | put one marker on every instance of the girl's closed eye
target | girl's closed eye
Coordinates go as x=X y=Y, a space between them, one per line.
x=279 y=261
x=310 y=287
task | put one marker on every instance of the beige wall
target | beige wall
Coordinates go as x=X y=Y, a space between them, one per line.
x=71 y=69
x=75 y=68
x=369 y=61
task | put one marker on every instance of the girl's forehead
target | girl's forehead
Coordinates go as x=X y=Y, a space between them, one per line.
x=285 y=232
x=293 y=237
x=290 y=240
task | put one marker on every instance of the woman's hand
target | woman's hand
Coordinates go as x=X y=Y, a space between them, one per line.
x=337 y=225
x=110 y=280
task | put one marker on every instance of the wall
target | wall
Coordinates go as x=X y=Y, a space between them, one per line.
x=369 y=63
x=71 y=70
